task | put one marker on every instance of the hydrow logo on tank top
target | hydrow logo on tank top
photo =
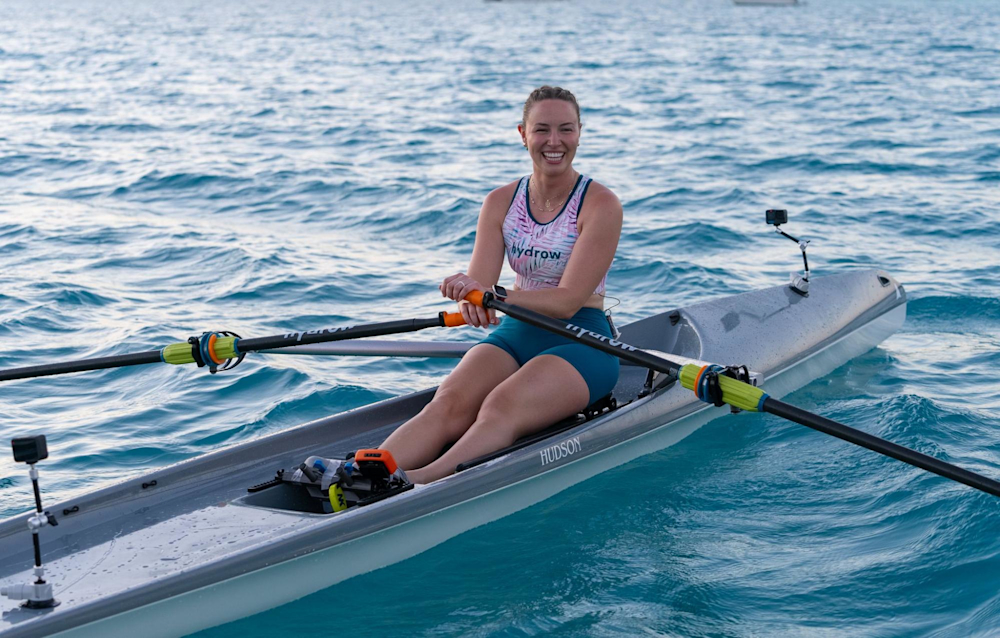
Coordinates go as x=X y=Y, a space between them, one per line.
x=519 y=250
x=560 y=450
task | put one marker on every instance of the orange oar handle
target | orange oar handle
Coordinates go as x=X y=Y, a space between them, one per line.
x=475 y=297
x=453 y=319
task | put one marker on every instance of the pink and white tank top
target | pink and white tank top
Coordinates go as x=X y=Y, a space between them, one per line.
x=537 y=252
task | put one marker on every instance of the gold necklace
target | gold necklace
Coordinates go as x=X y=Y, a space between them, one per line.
x=548 y=207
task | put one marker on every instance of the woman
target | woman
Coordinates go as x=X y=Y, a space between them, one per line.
x=559 y=230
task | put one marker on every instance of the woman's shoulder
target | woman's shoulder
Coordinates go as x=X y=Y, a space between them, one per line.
x=600 y=197
x=503 y=195
x=498 y=200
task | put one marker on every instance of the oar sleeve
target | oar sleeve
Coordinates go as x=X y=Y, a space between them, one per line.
x=219 y=349
x=736 y=393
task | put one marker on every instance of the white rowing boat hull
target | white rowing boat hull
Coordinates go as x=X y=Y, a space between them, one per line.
x=207 y=556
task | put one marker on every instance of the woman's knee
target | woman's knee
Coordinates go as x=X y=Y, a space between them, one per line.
x=494 y=406
x=490 y=426
x=453 y=403
x=496 y=415
x=451 y=411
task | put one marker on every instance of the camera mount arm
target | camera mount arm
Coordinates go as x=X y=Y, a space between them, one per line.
x=799 y=283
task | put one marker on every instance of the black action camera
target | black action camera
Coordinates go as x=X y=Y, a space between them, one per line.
x=30 y=449
x=776 y=216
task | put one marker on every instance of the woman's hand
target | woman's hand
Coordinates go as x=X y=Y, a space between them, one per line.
x=457 y=287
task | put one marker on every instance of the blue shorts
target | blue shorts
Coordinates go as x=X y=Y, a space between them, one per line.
x=525 y=342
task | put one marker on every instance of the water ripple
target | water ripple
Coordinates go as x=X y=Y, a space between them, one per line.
x=176 y=167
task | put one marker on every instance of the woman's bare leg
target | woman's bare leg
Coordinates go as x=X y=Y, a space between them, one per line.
x=546 y=390
x=453 y=408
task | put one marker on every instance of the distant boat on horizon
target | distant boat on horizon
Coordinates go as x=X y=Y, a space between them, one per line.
x=766 y=3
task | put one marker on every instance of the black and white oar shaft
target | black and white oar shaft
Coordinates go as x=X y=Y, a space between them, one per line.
x=386 y=348
x=620 y=349
x=876 y=444
x=742 y=395
x=215 y=349
x=81 y=365
x=343 y=333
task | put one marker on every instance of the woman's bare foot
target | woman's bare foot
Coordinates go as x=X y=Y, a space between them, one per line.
x=417 y=477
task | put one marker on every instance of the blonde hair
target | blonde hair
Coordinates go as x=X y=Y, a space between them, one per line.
x=548 y=93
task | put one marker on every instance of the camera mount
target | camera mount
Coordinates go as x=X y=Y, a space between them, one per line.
x=37 y=595
x=799 y=282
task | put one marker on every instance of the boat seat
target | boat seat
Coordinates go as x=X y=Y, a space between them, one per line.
x=602 y=405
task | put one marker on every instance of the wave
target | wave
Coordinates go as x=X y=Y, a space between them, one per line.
x=693 y=237
x=817 y=165
x=878 y=144
x=21 y=164
x=871 y=121
x=958 y=312
x=133 y=128
x=156 y=182
x=69 y=295
x=990 y=111
x=18 y=231
x=686 y=196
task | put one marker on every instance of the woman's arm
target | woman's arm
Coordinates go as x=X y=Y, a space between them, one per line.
x=487 y=257
x=488 y=251
x=600 y=226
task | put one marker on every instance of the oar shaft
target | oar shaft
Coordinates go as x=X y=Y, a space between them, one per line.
x=875 y=444
x=230 y=347
x=379 y=348
x=622 y=350
x=336 y=334
x=99 y=363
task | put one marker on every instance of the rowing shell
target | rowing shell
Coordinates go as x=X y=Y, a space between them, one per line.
x=186 y=547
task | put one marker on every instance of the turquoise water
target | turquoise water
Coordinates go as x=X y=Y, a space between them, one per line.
x=168 y=168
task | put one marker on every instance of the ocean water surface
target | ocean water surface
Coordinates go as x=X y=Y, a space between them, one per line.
x=169 y=168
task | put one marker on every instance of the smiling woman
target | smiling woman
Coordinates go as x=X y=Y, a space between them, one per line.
x=559 y=230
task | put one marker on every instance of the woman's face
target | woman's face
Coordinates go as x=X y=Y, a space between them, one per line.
x=552 y=133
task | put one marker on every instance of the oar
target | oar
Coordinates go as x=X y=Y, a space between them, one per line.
x=224 y=350
x=739 y=394
x=377 y=348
